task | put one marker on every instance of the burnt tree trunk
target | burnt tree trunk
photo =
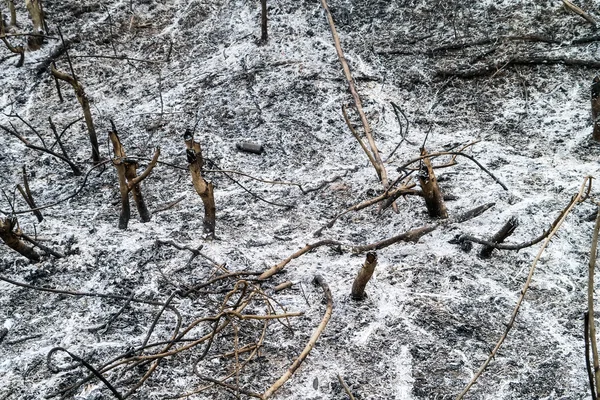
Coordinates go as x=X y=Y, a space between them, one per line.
x=85 y=105
x=37 y=17
x=13 y=241
x=204 y=188
x=363 y=277
x=434 y=199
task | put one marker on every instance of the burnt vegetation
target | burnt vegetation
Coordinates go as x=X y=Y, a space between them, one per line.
x=319 y=179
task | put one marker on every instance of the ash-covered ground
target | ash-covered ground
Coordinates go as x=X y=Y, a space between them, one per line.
x=433 y=311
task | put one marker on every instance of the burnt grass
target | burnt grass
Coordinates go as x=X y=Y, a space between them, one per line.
x=501 y=73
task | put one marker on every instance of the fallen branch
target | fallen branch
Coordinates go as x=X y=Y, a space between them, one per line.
x=278 y=267
x=494 y=68
x=415 y=234
x=311 y=343
x=579 y=197
x=507 y=229
x=570 y=6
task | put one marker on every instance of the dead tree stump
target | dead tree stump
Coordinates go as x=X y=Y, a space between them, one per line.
x=13 y=241
x=596 y=108
x=507 y=229
x=129 y=181
x=434 y=199
x=363 y=277
x=204 y=188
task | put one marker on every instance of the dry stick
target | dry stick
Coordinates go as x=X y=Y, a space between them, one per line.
x=313 y=339
x=119 y=153
x=592 y=321
x=345 y=386
x=85 y=105
x=283 y=286
x=588 y=366
x=13 y=241
x=92 y=369
x=76 y=170
x=379 y=168
x=204 y=188
x=278 y=267
x=507 y=229
x=358 y=138
x=37 y=213
x=363 y=277
x=263 y=22
x=595 y=100
x=579 y=197
x=492 y=68
x=29 y=197
x=410 y=236
x=579 y=12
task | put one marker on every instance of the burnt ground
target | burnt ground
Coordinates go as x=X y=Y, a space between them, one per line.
x=498 y=72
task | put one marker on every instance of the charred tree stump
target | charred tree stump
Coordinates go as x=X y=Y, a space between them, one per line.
x=596 y=108
x=507 y=229
x=13 y=241
x=35 y=41
x=363 y=277
x=85 y=105
x=129 y=181
x=434 y=199
x=204 y=188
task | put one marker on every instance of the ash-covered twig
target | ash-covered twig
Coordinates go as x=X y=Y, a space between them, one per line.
x=318 y=280
x=590 y=310
x=278 y=267
x=345 y=386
